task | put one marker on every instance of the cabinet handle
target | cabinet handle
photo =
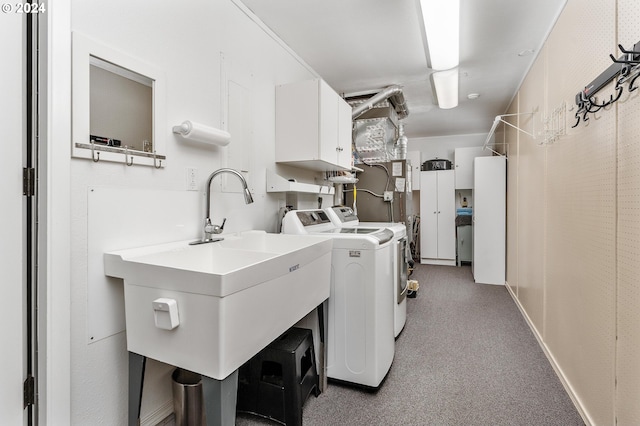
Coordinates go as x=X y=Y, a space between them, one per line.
x=434 y=212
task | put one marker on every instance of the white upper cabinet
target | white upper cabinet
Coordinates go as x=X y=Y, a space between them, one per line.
x=313 y=126
x=463 y=165
x=414 y=158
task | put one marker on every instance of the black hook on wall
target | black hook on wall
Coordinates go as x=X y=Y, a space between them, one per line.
x=632 y=86
x=633 y=57
x=629 y=71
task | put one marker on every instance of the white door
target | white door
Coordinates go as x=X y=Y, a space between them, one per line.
x=446 y=215
x=12 y=323
x=344 y=133
x=328 y=123
x=429 y=215
x=414 y=158
x=437 y=215
x=464 y=165
x=489 y=219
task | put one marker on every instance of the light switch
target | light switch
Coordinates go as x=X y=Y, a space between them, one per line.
x=165 y=313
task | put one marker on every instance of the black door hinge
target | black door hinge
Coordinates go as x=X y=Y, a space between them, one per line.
x=29 y=391
x=29 y=181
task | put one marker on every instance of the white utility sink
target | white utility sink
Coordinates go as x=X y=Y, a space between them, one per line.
x=233 y=296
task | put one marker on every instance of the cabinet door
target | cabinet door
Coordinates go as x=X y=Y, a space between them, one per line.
x=297 y=125
x=414 y=158
x=446 y=215
x=489 y=218
x=464 y=165
x=429 y=215
x=344 y=133
x=329 y=113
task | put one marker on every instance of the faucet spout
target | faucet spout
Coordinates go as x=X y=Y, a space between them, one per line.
x=216 y=229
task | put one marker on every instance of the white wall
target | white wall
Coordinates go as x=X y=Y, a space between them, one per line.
x=185 y=41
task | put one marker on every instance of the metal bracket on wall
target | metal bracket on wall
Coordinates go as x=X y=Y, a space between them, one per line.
x=625 y=68
x=129 y=154
x=500 y=118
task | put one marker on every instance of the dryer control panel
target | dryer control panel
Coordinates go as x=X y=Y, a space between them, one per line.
x=343 y=214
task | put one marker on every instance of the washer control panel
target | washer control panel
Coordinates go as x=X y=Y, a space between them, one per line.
x=313 y=217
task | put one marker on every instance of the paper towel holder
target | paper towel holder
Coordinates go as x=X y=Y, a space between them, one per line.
x=197 y=132
x=182 y=129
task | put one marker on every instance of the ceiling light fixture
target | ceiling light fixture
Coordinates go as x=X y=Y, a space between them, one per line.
x=442 y=28
x=446 y=88
x=473 y=96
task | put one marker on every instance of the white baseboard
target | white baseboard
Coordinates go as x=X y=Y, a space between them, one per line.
x=565 y=383
x=157 y=416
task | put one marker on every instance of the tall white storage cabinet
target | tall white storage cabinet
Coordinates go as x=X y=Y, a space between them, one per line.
x=437 y=218
x=489 y=220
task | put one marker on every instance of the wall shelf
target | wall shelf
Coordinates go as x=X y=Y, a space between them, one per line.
x=276 y=183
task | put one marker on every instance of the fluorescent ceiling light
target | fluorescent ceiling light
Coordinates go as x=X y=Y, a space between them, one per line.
x=446 y=87
x=442 y=27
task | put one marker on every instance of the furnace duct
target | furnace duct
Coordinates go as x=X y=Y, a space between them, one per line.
x=376 y=137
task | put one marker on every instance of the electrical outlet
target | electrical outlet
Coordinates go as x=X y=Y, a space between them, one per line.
x=192 y=179
x=388 y=195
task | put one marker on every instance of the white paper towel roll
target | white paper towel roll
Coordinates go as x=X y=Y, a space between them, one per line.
x=201 y=133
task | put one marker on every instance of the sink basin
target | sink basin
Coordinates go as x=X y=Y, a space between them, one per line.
x=233 y=296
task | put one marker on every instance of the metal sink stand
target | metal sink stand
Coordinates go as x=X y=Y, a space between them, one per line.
x=219 y=395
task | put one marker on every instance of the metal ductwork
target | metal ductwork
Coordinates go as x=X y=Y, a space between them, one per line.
x=395 y=96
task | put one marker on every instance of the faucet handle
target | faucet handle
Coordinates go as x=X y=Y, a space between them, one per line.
x=217 y=229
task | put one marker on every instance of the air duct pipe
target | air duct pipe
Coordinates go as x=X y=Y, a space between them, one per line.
x=395 y=96
x=400 y=149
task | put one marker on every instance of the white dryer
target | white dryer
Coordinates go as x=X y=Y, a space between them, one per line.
x=346 y=217
x=360 y=336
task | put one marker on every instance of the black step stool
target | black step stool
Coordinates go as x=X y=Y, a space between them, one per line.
x=276 y=382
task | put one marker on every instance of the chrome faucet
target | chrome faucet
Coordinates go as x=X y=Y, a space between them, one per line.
x=209 y=228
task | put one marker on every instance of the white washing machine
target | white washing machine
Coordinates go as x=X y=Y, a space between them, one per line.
x=346 y=217
x=360 y=336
